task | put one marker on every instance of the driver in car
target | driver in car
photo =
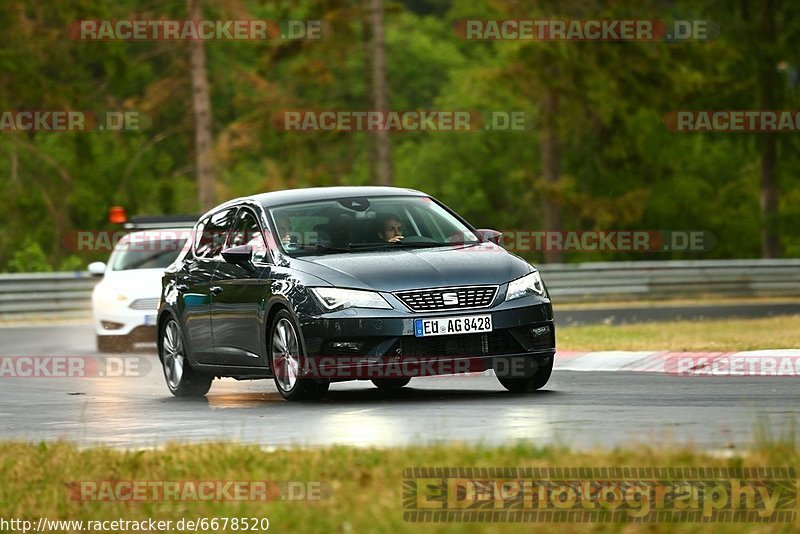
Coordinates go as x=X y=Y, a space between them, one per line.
x=390 y=229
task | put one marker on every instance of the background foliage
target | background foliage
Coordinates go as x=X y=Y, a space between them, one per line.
x=621 y=168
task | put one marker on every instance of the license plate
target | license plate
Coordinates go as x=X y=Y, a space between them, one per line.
x=445 y=326
x=149 y=320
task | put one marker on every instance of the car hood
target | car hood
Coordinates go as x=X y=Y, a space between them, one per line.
x=394 y=270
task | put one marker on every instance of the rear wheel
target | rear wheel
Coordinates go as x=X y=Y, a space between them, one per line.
x=182 y=380
x=286 y=361
x=390 y=383
x=531 y=383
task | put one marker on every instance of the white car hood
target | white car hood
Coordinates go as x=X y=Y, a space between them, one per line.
x=133 y=283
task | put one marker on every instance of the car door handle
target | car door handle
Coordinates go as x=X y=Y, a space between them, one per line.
x=215 y=290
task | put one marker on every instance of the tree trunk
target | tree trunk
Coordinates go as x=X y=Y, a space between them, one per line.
x=770 y=242
x=201 y=102
x=383 y=150
x=14 y=168
x=769 y=81
x=366 y=43
x=550 y=154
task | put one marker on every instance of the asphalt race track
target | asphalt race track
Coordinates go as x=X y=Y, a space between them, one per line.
x=578 y=409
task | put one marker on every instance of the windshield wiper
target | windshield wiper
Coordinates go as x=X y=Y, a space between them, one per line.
x=401 y=244
x=318 y=247
x=354 y=247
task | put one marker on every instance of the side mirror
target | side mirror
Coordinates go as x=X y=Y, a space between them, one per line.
x=97 y=268
x=241 y=255
x=491 y=235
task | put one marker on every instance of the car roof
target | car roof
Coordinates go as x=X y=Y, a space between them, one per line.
x=160 y=222
x=309 y=194
x=291 y=196
x=156 y=234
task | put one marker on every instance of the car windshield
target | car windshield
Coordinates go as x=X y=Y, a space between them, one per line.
x=367 y=223
x=147 y=254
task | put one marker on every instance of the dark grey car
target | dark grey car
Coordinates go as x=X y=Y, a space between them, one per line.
x=314 y=286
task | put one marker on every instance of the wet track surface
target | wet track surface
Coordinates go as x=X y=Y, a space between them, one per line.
x=579 y=409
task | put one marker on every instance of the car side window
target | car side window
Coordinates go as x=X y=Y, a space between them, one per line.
x=247 y=231
x=198 y=243
x=212 y=233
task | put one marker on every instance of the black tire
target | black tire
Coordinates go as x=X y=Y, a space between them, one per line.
x=528 y=384
x=187 y=382
x=291 y=360
x=113 y=344
x=388 y=384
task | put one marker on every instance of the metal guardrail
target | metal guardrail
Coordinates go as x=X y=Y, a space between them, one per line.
x=69 y=294
x=46 y=294
x=669 y=279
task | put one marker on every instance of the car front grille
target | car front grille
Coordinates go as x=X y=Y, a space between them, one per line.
x=144 y=304
x=448 y=298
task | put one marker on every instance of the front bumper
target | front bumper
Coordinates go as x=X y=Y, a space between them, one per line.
x=367 y=344
x=123 y=321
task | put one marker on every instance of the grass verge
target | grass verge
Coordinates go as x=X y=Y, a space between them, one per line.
x=709 y=335
x=688 y=302
x=366 y=485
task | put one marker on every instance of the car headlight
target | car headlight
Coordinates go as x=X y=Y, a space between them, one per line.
x=335 y=299
x=108 y=295
x=530 y=284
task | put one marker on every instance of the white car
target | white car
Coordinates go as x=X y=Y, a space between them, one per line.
x=125 y=302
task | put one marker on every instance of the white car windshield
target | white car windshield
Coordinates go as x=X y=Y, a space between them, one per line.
x=153 y=254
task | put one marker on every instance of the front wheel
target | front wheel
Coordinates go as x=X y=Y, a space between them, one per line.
x=286 y=361
x=182 y=380
x=531 y=383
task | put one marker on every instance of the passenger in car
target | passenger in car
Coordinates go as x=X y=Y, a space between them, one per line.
x=284 y=229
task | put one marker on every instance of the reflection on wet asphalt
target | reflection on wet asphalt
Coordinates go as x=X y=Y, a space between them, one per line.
x=580 y=409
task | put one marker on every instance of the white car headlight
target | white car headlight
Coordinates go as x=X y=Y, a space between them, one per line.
x=530 y=284
x=108 y=295
x=335 y=299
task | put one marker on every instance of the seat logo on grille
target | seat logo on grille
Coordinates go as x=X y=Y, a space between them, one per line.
x=450 y=299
